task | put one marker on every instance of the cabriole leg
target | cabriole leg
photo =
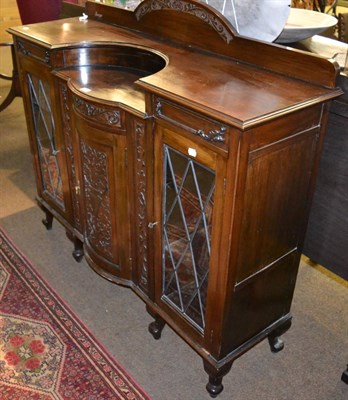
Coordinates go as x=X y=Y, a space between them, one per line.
x=276 y=344
x=344 y=376
x=78 y=249
x=48 y=220
x=156 y=327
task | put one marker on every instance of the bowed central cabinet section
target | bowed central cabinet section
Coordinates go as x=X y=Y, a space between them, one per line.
x=191 y=187
x=102 y=152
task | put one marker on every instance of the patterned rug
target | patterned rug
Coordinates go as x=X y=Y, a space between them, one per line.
x=45 y=350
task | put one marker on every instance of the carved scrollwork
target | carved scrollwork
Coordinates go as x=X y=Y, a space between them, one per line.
x=24 y=50
x=47 y=58
x=97 y=199
x=213 y=135
x=183 y=6
x=112 y=118
x=141 y=204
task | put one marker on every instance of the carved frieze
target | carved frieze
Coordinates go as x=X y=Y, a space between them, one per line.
x=97 y=199
x=99 y=114
x=183 y=6
x=141 y=204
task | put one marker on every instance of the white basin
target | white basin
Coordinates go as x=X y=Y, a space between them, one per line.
x=303 y=24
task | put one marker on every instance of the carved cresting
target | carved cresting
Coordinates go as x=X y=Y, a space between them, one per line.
x=183 y=6
x=97 y=199
x=99 y=114
x=141 y=204
x=69 y=149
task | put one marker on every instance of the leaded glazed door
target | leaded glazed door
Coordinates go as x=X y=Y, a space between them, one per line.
x=47 y=142
x=188 y=204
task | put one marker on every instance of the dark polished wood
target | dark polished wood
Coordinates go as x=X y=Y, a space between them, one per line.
x=184 y=158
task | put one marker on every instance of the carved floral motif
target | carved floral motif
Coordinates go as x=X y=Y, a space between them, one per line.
x=97 y=199
x=183 y=6
x=112 y=118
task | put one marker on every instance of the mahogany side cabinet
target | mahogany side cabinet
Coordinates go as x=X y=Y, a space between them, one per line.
x=181 y=159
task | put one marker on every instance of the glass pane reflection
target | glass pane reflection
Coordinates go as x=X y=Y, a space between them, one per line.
x=44 y=133
x=187 y=215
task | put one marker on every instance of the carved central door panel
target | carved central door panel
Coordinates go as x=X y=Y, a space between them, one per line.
x=105 y=197
x=97 y=198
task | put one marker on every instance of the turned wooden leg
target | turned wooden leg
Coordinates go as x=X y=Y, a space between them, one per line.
x=156 y=327
x=48 y=220
x=276 y=344
x=214 y=385
x=78 y=249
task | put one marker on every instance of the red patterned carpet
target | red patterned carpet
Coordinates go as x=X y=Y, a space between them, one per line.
x=45 y=350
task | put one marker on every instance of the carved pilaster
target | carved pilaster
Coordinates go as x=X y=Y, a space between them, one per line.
x=75 y=193
x=141 y=204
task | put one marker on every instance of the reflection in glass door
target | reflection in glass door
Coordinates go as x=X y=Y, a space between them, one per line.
x=187 y=218
x=45 y=138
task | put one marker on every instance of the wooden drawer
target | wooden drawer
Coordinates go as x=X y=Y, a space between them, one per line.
x=31 y=50
x=210 y=131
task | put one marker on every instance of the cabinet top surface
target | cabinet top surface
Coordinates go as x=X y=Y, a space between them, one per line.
x=233 y=90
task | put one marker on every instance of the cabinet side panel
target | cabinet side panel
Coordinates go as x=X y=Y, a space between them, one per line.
x=276 y=195
x=274 y=209
x=260 y=303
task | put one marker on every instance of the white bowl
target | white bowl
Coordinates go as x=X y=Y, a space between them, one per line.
x=303 y=24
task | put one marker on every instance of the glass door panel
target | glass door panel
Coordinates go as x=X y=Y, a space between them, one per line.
x=187 y=217
x=45 y=138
